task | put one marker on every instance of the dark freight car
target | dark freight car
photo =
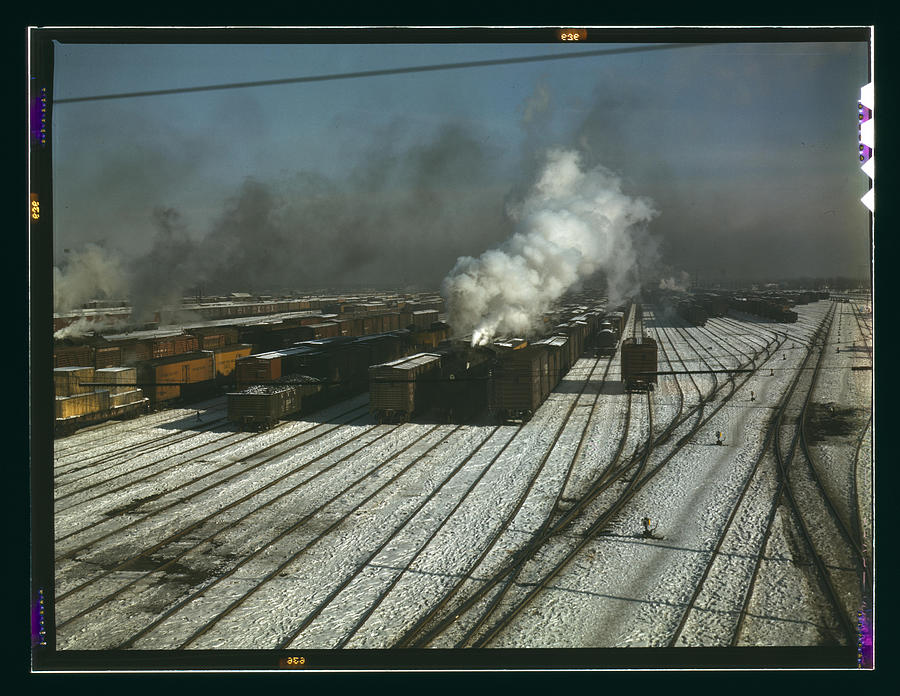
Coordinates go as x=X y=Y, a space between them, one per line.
x=401 y=388
x=263 y=405
x=520 y=383
x=606 y=342
x=692 y=313
x=639 y=356
x=462 y=392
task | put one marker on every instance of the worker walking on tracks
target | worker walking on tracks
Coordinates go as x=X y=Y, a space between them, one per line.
x=648 y=529
x=752 y=395
x=198 y=416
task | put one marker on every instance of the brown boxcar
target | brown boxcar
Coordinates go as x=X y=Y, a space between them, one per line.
x=266 y=367
x=108 y=356
x=639 y=363
x=393 y=386
x=72 y=356
x=518 y=384
x=557 y=358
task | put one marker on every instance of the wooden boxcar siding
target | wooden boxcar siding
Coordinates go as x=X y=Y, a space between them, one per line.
x=73 y=356
x=125 y=376
x=81 y=404
x=212 y=341
x=392 y=387
x=226 y=358
x=108 y=357
x=519 y=381
x=125 y=398
x=66 y=380
x=190 y=370
x=135 y=352
x=639 y=357
x=252 y=370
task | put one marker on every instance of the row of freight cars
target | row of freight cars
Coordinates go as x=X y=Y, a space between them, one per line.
x=306 y=376
x=508 y=380
x=214 y=309
x=765 y=308
x=451 y=380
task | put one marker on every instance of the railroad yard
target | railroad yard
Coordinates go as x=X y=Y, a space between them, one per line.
x=335 y=528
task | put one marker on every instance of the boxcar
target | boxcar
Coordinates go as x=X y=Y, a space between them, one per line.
x=190 y=375
x=557 y=357
x=403 y=387
x=639 y=356
x=226 y=358
x=519 y=383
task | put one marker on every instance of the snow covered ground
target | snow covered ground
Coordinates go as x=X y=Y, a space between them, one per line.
x=336 y=531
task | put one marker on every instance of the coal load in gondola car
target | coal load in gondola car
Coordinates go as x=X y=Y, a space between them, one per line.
x=639 y=364
x=262 y=405
x=520 y=384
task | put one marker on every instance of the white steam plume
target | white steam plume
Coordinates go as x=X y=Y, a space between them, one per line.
x=573 y=224
x=89 y=274
x=680 y=282
x=85 y=325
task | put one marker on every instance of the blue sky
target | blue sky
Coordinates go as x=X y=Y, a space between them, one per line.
x=749 y=151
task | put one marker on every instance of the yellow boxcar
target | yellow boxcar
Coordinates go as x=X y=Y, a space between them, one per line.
x=125 y=398
x=192 y=368
x=227 y=356
x=66 y=380
x=115 y=376
x=82 y=404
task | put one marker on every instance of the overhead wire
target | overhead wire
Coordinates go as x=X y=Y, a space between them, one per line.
x=380 y=72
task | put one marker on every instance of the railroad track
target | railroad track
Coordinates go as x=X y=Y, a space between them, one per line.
x=784 y=491
x=218 y=446
x=102 y=434
x=715 y=558
x=421 y=633
x=255 y=464
x=171 y=550
x=136 y=560
x=69 y=462
x=310 y=617
x=425 y=625
x=633 y=484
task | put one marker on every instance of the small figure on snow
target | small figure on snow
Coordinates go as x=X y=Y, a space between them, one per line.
x=771 y=372
x=648 y=529
x=752 y=395
x=720 y=438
